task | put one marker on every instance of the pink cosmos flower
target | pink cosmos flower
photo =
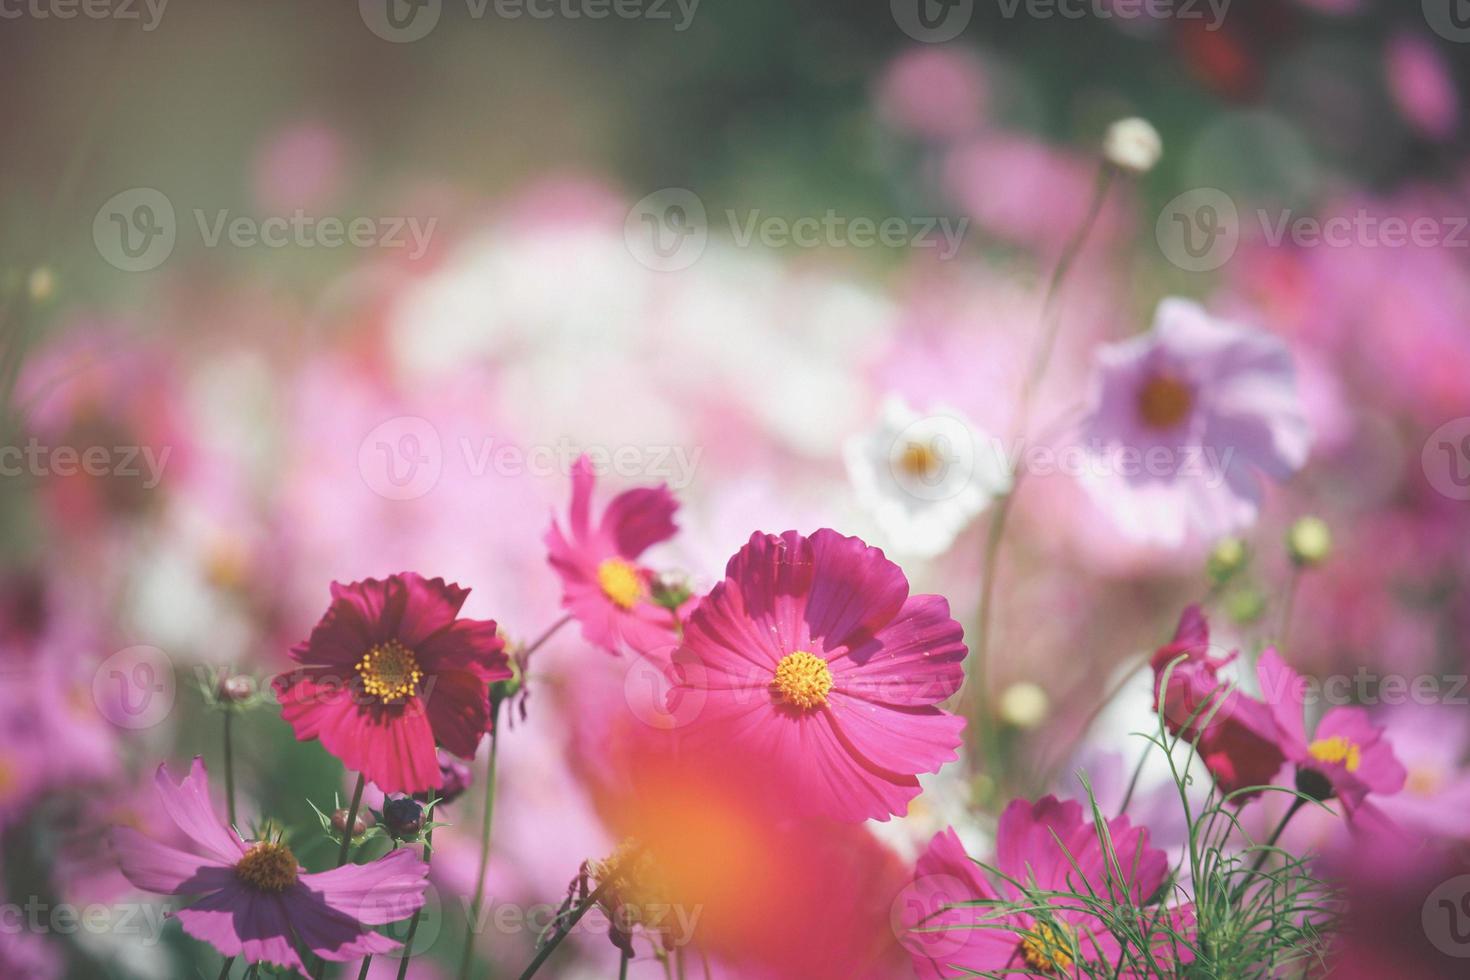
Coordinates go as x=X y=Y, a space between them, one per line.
x=812 y=656
x=256 y=901
x=603 y=585
x=1422 y=85
x=1346 y=757
x=1236 y=736
x=1433 y=742
x=1047 y=847
x=391 y=671
x=1183 y=420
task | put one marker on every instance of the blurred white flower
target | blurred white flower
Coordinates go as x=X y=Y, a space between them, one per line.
x=924 y=478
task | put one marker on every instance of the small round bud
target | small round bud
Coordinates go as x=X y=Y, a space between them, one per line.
x=42 y=284
x=1245 y=606
x=235 y=688
x=1309 y=541
x=360 y=823
x=1226 y=560
x=670 y=590
x=455 y=778
x=1133 y=145
x=403 y=816
x=1024 y=705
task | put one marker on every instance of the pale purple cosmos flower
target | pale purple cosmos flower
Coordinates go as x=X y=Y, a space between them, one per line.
x=1184 y=419
x=255 y=901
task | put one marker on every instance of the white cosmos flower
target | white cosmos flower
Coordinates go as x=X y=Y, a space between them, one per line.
x=924 y=477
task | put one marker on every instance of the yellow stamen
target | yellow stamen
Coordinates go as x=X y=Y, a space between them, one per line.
x=267 y=867
x=390 y=672
x=1046 y=948
x=920 y=460
x=1337 y=751
x=1164 y=401
x=620 y=582
x=803 y=680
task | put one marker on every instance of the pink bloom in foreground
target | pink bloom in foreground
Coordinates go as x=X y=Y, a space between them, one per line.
x=1047 y=847
x=1183 y=421
x=1236 y=735
x=391 y=672
x=603 y=586
x=812 y=656
x=255 y=901
x=1346 y=757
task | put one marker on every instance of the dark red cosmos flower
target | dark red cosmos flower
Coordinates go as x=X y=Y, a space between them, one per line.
x=390 y=673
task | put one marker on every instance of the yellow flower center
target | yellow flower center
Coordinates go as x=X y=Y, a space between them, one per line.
x=9 y=777
x=267 y=867
x=1046 y=948
x=803 y=680
x=390 y=672
x=920 y=460
x=1424 y=781
x=1164 y=401
x=1337 y=751
x=620 y=582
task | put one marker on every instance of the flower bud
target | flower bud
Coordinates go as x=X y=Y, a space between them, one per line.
x=454 y=777
x=41 y=285
x=1309 y=541
x=1024 y=705
x=670 y=590
x=1133 y=145
x=1245 y=606
x=360 y=823
x=403 y=816
x=1226 y=560
x=235 y=688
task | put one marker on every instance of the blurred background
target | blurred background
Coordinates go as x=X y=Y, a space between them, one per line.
x=301 y=293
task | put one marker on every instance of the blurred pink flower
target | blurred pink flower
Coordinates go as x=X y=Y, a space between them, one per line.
x=934 y=93
x=1433 y=743
x=300 y=167
x=256 y=900
x=1422 y=86
x=1183 y=422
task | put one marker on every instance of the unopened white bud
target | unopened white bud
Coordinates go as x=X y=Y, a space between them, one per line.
x=1133 y=145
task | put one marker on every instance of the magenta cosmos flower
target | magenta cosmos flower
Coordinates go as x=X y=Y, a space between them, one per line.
x=955 y=929
x=1237 y=736
x=812 y=656
x=255 y=900
x=1346 y=757
x=603 y=586
x=391 y=672
x=1183 y=421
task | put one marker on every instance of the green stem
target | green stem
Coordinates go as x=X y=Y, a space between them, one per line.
x=367 y=962
x=545 y=951
x=485 y=825
x=623 y=965
x=225 y=970
x=229 y=767
x=1288 y=606
x=413 y=923
x=1296 y=805
x=351 y=824
x=1133 y=782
